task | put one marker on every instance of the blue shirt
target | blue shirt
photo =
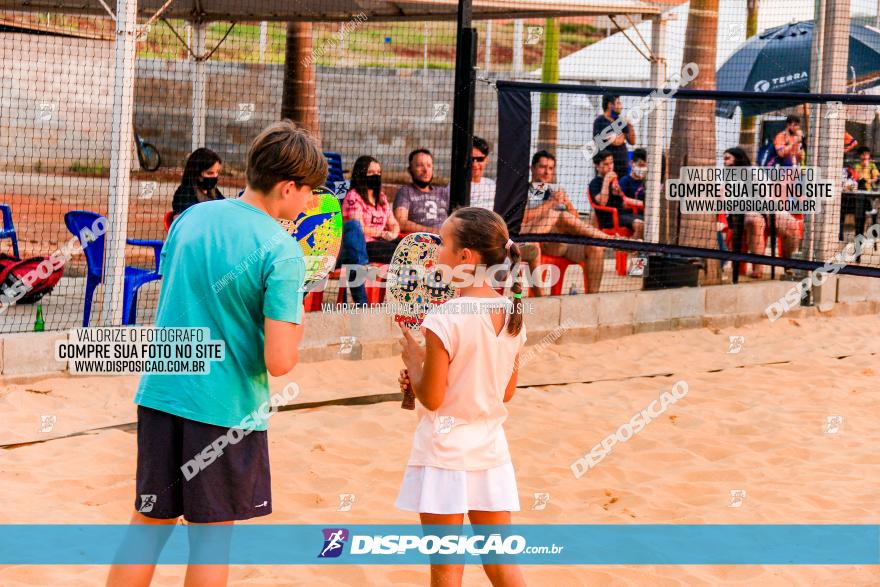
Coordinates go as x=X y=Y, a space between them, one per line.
x=632 y=187
x=225 y=266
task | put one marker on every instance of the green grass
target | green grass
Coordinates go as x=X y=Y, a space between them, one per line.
x=89 y=168
x=364 y=42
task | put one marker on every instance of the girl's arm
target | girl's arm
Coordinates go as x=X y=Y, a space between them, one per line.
x=428 y=368
x=392 y=226
x=372 y=231
x=511 y=385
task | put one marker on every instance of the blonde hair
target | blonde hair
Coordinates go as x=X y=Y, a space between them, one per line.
x=285 y=152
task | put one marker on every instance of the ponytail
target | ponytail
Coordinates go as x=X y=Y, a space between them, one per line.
x=514 y=324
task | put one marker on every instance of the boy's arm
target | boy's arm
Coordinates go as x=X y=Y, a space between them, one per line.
x=283 y=315
x=281 y=349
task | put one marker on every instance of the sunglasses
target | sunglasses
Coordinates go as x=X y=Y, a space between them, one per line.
x=479 y=159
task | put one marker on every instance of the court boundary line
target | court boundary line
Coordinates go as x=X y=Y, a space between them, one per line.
x=363 y=400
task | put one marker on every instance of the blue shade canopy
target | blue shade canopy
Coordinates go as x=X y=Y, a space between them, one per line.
x=778 y=60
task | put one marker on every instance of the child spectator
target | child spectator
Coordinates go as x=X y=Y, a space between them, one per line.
x=865 y=171
x=605 y=191
x=633 y=184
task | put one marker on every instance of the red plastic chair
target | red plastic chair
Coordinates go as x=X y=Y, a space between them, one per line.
x=620 y=257
x=563 y=264
x=375 y=287
x=168 y=219
x=312 y=300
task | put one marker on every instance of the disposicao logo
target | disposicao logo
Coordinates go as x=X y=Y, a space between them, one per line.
x=334 y=542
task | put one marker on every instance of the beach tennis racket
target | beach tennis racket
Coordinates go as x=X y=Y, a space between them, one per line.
x=415 y=286
x=318 y=230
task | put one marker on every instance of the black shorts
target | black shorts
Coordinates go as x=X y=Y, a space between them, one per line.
x=624 y=220
x=217 y=487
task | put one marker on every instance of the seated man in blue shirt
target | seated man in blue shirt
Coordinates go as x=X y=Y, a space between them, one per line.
x=633 y=184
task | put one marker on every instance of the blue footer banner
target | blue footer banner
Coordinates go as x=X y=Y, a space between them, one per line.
x=532 y=544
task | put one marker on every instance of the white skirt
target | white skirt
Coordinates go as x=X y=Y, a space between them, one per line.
x=429 y=490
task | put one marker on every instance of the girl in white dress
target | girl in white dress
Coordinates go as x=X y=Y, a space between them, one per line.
x=460 y=463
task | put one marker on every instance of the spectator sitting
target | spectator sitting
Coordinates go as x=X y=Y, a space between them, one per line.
x=482 y=188
x=605 y=191
x=199 y=181
x=633 y=185
x=849 y=143
x=788 y=143
x=420 y=206
x=756 y=225
x=370 y=230
x=553 y=212
x=611 y=109
x=865 y=171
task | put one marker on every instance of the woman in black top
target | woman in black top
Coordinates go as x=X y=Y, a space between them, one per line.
x=199 y=182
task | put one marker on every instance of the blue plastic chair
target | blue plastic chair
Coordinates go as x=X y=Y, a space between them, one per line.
x=8 y=229
x=334 y=163
x=135 y=277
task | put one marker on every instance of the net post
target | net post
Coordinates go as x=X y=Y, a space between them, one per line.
x=122 y=138
x=656 y=126
x=463 y=108
x=829 y=154
x=200 y=32
x=517 y=48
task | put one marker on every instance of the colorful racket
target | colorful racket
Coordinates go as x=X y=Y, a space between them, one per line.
x=319 y=233
x=415 y=286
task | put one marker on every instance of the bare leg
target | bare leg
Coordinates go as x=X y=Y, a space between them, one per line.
x=595 y=259
x=638 y=229
x=530 y=253
x=754 y=227
x=207 y=575
x=499 y=575
x=444 y=575
x=122 y=575
x=787 y=225
x=571 y=224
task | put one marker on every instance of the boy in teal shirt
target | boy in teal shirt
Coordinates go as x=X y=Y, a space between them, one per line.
x=227 y=266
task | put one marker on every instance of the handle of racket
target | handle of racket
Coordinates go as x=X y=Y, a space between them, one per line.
x=409 y=398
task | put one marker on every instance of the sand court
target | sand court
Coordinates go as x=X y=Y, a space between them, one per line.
x=786 y=427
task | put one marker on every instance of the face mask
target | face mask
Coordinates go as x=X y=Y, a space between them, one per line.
x=374 y=182
x=639 y=172
x=207 y=183
x=421 y=184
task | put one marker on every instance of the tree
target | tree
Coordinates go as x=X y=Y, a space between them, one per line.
x=299 y=95
x=693 y=129
x=747 y=129
x=548 y=127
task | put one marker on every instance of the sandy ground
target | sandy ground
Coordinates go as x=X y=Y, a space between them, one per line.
x=753 y=421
